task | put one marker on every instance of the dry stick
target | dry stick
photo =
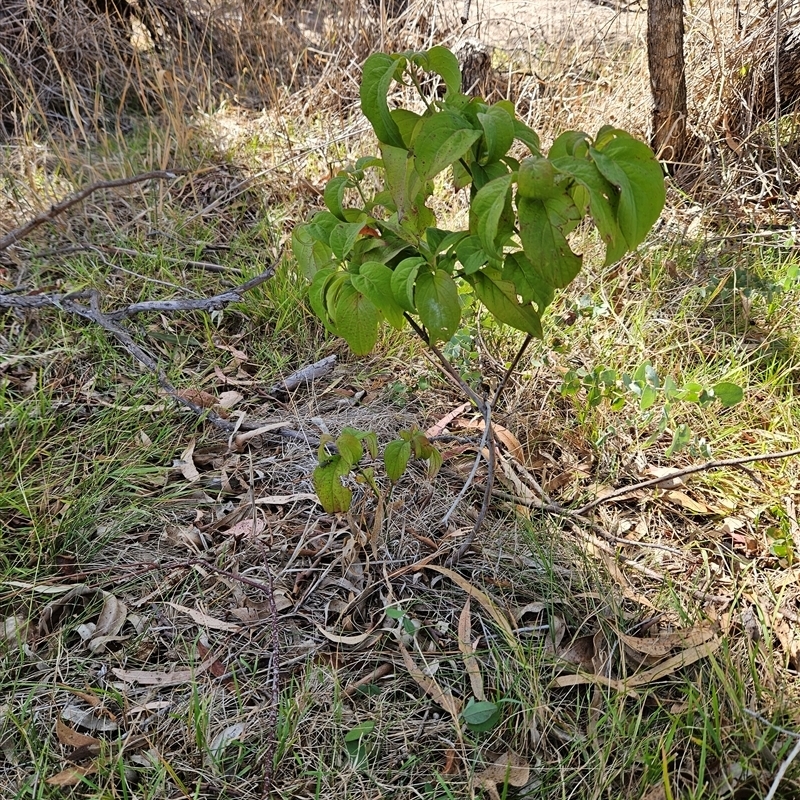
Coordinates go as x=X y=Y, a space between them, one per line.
x=307 y=374
x=108 y=322
x=47 y=216
x=729 y=462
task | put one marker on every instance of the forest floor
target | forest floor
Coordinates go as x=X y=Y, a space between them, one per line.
x=182 y=620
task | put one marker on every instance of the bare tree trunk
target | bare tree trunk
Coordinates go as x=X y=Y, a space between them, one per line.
x=667 y=77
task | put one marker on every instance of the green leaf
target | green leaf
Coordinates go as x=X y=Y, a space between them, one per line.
x=356 y=320
x=438 y=306
x=334 y=195
x=343 y=237
x=527 y=136
x=603 y=203
x=569 y=143
x=631 y=166
x=407 y=122
x=487 y=207
x=311 y=254
x=527 y=280
x=482 y=715
x=404 y=276
x=349 y=447
x=544 y=243
x=498 y=132
x=442 y=61
x=461 y=176
x=402 y=179
x=681 y=438
x=649 y=397
x=317 y=294
x=471 y=254
x=333 y=495
x=395 y=458
x=374 y=280
x=379 y=70
x=500 y=297
x=536 y=178
x=435 y=461
x=442 y=139
x=729 y=394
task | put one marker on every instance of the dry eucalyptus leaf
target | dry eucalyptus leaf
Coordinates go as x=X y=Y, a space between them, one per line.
x=186 y=465
x=205 y=620
x=442 y=697
x=232 y=733
x=91 y=719
x=73 y=738
x=228 y=400
x=471 y=663
x=72 y=776
x=508 y=770
x=159 y=678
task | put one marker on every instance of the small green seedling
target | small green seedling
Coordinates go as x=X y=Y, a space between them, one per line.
x=334 y=496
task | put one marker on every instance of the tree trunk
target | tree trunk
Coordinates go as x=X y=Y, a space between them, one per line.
x=667 y=77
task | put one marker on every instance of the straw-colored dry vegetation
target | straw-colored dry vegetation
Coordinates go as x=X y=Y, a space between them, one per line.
x=180 y=619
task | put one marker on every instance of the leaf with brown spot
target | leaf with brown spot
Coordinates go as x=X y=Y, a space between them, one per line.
x=186 y=464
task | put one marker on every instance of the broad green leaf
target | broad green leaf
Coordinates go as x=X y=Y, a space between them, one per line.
x=648 y=398
x=729 y=394
x=481 y=715
x=402 y=180
x=435 y=461
x=407 y=122
x=569 y=143
x=442 y=61
x=544 y=243
x=320 y=284
x=498 y=132
x=527 y=136
x=471 y=254
x=379 y=70
x=349 y=446
x=536 y=178
x=603 y=203
x=374 y=280
x=482 y=174
x=395 y=458
x=321 y=226
x=488 y=206
x=631 y=166
x=333 y=495
x=438 y=305
x=343 y=237
x=451 y=240
x=461 y=176
x=310 y=254
x=404 y=277
x=527 y=280
x=500 y=297
x=356 y=320
x=442 y=139
x=334 y=195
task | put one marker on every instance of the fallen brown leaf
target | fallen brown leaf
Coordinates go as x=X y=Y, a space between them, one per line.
x=72 y=776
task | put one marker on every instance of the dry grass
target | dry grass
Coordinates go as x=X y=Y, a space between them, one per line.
x=93 y=492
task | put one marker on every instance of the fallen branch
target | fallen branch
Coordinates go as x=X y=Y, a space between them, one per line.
x=58 y=208
x=72 y=304
x=307 y=374
x=728 y=462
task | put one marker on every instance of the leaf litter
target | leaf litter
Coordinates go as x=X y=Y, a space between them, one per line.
x=187 y=607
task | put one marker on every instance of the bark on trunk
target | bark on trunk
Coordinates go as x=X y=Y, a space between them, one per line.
x=667 y=77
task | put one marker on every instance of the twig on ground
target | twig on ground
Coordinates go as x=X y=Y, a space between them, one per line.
x=307 y=374
x=110 y=323
x=708 y=465
x=58 y=208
